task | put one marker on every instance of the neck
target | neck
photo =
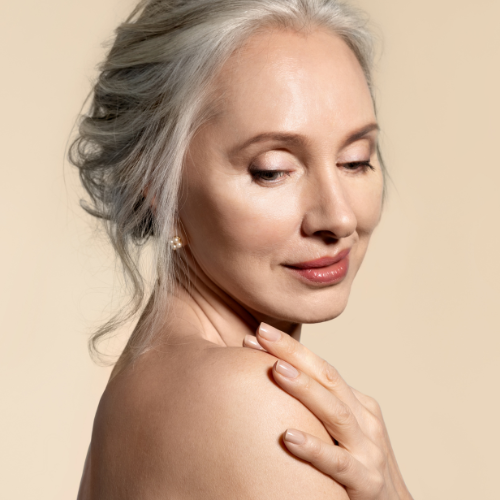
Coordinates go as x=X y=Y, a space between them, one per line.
x=210 y=313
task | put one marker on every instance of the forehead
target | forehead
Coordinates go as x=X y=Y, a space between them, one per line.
x=284 y=80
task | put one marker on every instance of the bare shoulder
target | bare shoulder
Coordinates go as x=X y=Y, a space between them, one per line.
x=204 y=422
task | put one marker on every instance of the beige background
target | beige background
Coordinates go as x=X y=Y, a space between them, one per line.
x=421 y=331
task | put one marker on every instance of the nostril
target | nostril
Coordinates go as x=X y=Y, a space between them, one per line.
x=327 y=236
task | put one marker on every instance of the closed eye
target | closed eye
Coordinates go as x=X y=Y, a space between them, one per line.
x=268 y=176
x=354 y=166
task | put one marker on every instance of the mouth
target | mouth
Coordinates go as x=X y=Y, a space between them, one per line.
x=325 y=270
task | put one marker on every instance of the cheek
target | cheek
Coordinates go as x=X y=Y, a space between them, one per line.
x=367 y=205
x=236 y=222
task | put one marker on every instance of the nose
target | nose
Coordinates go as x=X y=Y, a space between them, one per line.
x=328 y=210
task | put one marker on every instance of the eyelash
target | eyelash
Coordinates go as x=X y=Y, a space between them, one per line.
x=350 y=166
x=260 y=175
x=365 y=165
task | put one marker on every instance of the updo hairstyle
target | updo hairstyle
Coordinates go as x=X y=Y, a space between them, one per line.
x=152 y=94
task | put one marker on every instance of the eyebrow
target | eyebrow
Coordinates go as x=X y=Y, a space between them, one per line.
x=360 y=134
x=300 y=140
x=283 y=137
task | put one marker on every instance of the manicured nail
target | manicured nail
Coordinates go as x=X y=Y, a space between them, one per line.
x=294 y=436
x=286 y=369
x=251 y=341
x=268 y=332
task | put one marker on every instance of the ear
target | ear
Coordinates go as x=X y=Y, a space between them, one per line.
x=178 y=237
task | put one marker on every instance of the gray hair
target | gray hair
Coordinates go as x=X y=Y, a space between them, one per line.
x=152 y=94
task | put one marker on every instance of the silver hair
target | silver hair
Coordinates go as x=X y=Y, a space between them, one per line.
x=152 y=94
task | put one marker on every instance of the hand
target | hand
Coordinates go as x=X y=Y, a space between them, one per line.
x=363 y=461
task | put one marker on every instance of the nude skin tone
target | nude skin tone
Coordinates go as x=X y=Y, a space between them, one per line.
x=280 y=194
x=280 y=177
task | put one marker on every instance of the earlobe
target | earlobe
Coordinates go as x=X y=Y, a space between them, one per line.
x=176 y=243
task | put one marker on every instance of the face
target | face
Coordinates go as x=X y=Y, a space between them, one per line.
x=283 y=188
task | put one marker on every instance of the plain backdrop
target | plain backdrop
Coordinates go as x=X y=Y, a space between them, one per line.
x=421 y=333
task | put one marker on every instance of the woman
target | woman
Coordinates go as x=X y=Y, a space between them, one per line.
x=241 y=138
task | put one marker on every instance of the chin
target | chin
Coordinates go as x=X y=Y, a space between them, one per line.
x=319 y=316
x=308 y=311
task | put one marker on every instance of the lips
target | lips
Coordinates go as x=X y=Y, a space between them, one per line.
x=326 y=270
x=322 y=262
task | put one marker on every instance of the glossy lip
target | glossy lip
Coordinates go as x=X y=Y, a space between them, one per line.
x=325 y=270
x=321 y=262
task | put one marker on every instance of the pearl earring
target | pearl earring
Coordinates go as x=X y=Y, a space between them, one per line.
x=176 y=243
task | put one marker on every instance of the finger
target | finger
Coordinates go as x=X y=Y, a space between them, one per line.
x=330 y=459
x=253 y=343
x=288 y=349
x=336 y=416
x=368 y=402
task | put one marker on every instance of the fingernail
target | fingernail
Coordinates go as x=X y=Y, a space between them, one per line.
x=268 y=332
x=294 y=436
x=286 y=369
x=251 y=341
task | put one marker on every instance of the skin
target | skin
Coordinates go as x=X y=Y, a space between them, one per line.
x=241 y=229
x=200 y=416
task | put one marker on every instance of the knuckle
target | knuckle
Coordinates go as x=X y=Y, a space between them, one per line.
x=377 y=483
x=374 y=428
x=374 y=407
x=316 y=450
x=329 y=375
x=343 y=414
x=343 y=463
x=338 y=413
x=305 y=382
x=377 y=429
x=378 y=458
x=368 y=402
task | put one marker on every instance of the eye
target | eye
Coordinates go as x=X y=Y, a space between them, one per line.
x=354 y=166
x=268 y=176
